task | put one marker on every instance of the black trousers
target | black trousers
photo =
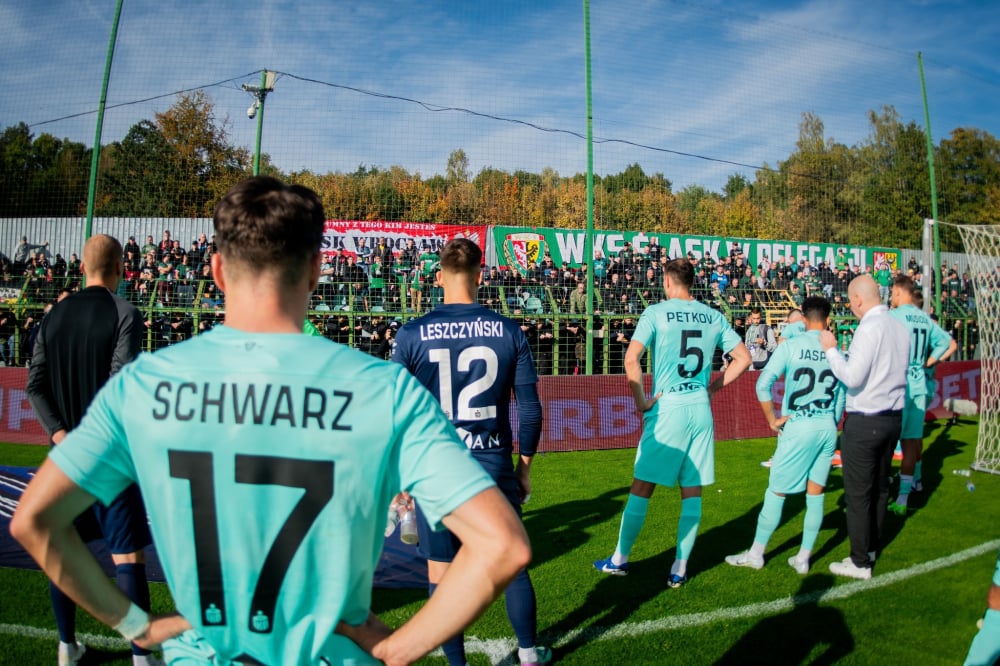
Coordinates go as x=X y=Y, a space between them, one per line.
x=866 y=451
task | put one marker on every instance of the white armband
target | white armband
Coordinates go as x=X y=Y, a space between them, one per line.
x=134 y=624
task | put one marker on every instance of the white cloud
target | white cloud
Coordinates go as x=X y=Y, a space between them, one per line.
x=706 y=79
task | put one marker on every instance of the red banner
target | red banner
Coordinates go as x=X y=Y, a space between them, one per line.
x=17 y=420
x=346 y=235
x=581 y=412
x=597 y=412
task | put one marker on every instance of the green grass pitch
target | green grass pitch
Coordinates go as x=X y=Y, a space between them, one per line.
x=921 y=606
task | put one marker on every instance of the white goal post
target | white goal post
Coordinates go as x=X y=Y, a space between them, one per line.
x=982 y=246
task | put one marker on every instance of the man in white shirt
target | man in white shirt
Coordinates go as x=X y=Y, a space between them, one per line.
x=875 y=376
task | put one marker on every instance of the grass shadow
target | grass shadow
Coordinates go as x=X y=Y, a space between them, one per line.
x=560 y=528
x=95 y=655
x=808 y=633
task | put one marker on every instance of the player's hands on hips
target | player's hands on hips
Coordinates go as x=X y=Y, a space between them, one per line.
x=647 y=403
x=779 y=423
x=827 y=340
x=369 y=635
x=162 y=628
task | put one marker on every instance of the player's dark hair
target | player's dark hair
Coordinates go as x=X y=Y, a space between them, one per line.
x=680 y=271
x=264 y=223
x=905 y=282
x=816 y=309
x=460 y=255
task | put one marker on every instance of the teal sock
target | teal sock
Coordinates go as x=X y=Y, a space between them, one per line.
x=985 y=648
x=812 y=521
x=918 y=472
x=905 y=483
x=633 y=518
x=687 y=526
x=770 y=516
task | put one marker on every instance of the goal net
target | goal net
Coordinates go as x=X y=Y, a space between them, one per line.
x=982 y=245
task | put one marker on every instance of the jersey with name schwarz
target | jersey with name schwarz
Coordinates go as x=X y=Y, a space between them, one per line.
x=682 y=336
x=260 y=455
x=470 y=358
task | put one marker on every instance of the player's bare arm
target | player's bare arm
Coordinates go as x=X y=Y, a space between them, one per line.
x=633 y=371
x=523 y=472
x=773 y=421
x=43 y=524
x=741 y=361
x=494 y=549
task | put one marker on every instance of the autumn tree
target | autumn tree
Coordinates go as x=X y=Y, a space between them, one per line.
x=204 y=164
x=41 y=176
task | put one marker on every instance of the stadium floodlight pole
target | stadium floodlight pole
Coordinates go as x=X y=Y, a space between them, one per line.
x=257 y=109
x=934 y=201
x=98 y=132
x=588 y=242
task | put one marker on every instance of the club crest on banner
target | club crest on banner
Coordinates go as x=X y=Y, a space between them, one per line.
x=523 y=250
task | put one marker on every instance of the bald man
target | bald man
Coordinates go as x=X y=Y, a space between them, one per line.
x=86 y=338
x=874 y=373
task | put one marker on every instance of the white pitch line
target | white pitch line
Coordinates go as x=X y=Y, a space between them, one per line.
x=500 y=651
x=95 y=640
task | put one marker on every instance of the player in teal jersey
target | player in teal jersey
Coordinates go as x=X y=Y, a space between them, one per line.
x=269 y=459
x=985 y=647
x=795 y=325
x=929 y=343
x=807 y=434
x=678 y=437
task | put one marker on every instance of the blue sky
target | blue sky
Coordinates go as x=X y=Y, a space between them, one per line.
x=713 y=80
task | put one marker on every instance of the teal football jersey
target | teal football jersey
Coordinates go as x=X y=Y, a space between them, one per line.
x=267 y=462
x=682 y=335
x=811 y=389
x=792 y=330
x=926 y=339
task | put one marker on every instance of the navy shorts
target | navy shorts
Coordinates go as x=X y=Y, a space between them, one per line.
x=443 y=546
x=122 y=524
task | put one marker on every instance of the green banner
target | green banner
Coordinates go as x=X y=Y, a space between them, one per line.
x=521 y=247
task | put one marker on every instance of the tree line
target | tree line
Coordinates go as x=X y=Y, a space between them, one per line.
x=876 y=192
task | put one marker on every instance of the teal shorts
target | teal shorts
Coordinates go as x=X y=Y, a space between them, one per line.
x=677 y=444
x=913 y=417
x=804 y=453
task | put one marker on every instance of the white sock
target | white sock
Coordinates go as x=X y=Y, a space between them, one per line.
x=527 y=655
x=679 y=568
x=803 y=555
x=757 y=550
x=618 y=559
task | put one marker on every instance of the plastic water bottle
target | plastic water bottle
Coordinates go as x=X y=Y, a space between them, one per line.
x=961 y=472
x=969 y=486
x=408 y=528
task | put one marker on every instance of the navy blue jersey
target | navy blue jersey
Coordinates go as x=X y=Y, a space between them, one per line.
x=470 y=358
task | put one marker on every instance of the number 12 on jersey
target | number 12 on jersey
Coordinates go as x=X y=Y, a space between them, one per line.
x=478 y=359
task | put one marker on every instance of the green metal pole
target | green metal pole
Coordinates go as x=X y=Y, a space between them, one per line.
x=96 y=156
x=934 y=199
x=588 y=243
x=261 y=95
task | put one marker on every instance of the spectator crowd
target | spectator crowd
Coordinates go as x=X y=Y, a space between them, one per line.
x=365 y=294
